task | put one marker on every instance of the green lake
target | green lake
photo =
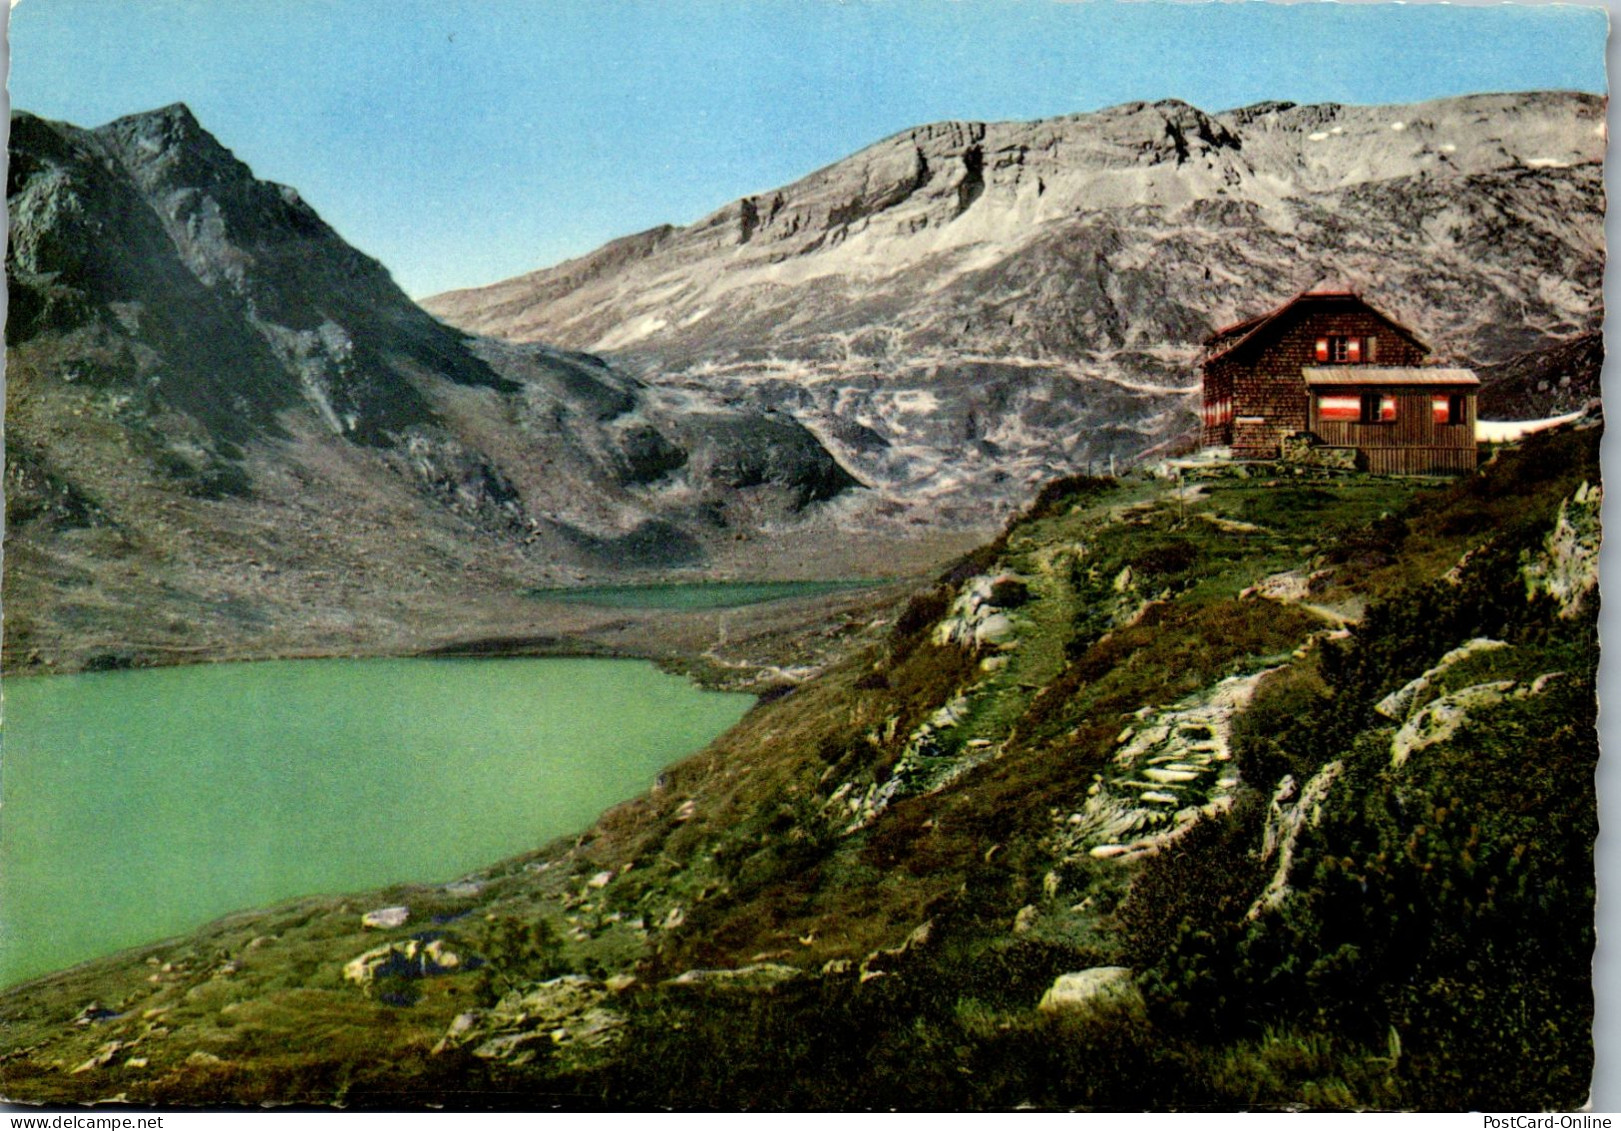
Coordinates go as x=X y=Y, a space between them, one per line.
x=137 y=805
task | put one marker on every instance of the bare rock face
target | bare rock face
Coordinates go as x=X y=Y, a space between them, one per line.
x=227 y=293
x=204 y=377
x=1544 y=382
x=965 y=308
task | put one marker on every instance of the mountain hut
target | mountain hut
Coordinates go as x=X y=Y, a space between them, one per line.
x=1326 y=379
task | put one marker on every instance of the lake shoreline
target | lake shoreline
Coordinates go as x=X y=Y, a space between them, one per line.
x=774 y=632
x=724 y=648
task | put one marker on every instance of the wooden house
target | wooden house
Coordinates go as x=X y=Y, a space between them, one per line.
x=1325 y=378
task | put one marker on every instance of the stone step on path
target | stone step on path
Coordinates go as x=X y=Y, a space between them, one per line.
x=1171 y=769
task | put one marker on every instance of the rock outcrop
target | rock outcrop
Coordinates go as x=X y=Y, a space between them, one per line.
x=566 y=1016
x=1172 y=768
x=1567 y=569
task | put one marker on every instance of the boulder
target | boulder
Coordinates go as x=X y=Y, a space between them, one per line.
x=1102 y=991
x=975 y=620
x=102 y=1058
x=1290 y=585
x=386 y=918
x=95 y=1013
x=406 y=958
x=994 y=629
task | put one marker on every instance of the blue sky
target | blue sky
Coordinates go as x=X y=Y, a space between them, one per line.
x=462 y=141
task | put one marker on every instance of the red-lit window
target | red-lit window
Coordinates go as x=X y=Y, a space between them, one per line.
x=1340 y=350
x=1347 y=408
x=1218 y=412
x=1451 y=409
x=1377 y=409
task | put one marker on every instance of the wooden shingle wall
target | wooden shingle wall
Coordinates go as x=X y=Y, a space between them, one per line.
x=1413 y=443
x=1265 y=381
x=1217 y=430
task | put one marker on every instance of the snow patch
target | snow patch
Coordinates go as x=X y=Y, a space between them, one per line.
x=1546 y=163
x=1507 y=431
x=1319 y=136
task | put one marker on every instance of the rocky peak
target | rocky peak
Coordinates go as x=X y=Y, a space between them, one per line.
x=169 y=127
x=168 y=148
x=224 y=221
x=1191 y=130
x=150 y=234
x=1143 y=133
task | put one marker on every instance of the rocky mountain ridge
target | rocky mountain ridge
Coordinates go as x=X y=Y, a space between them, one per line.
x=965 y=309
x=202 y=372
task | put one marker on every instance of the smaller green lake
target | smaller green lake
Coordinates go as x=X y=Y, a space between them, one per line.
x=696 y=595
x=140 y=804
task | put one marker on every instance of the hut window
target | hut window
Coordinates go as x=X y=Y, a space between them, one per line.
x=1377 y=409
x=1451 y=409
x=1218 y=412
x=1347 y=351
x=1345 y=408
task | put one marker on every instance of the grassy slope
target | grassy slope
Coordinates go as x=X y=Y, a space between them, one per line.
x=915 y=869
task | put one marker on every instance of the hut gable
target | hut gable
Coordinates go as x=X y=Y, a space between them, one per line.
x=1325 y=308
x=1265 y=381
